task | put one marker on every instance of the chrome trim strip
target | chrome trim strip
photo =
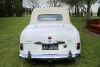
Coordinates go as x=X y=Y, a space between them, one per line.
x=50 y=56
x=45 y=55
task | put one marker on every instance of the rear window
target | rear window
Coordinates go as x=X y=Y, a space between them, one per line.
x=50 y=17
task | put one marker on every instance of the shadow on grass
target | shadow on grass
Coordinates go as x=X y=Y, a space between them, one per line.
x=45 y=63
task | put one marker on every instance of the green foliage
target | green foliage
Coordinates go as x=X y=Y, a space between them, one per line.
x=90 y=1
x=78 y=4
x=9 y=8
x=19 y=12
x=18 y=8
x=2 y=12
x=98 y=13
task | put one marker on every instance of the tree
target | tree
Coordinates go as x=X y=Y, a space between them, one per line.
x=18 y=8
x=55 y=3
x=6 y=8
x=9 y=5
x=33 y=3
x=1 y=8
x=37 y=3
x=9 y=8
x=89 y=3
x=82 y=13
x=76 y=4
x=79 y=4
x=91 y=13
x=98 y=13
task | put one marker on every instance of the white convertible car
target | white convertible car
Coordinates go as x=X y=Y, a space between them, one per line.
x=50 y=35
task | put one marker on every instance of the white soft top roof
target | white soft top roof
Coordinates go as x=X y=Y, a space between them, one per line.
x=51 y=10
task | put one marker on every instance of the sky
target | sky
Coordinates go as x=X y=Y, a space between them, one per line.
x=95 y=7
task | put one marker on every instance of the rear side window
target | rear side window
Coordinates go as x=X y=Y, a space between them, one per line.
x=50 y=17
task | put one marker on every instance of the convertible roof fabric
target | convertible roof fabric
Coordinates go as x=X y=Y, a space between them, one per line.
x=50 y=10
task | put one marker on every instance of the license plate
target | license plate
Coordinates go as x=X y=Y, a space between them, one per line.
x=50 y=47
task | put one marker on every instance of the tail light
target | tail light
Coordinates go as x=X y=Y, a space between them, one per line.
x=78 y=46
x=21 y=46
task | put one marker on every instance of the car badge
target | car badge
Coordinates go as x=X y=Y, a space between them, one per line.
x=49 y=37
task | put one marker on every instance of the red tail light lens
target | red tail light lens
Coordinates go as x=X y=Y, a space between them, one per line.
x=78 y=44
x=21 y=46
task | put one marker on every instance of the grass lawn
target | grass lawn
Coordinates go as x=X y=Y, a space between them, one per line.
x=10 y=29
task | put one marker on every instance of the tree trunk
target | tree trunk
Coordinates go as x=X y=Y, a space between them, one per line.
x=55 y=3
x=69 y=12
x=75 y=11
x=51 y=3
x=88 y=12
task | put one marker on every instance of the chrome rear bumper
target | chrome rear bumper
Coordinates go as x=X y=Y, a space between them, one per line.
x=45 y=56
x=48 y=56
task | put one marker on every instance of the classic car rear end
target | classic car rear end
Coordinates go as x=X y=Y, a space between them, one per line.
x=50 y=35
